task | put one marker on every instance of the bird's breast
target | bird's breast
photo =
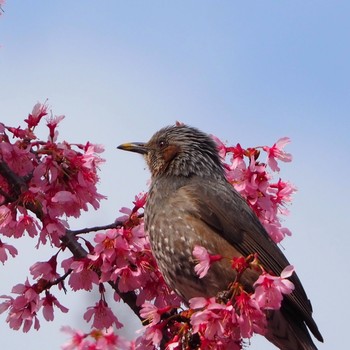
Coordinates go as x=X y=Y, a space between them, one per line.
x=173 y=234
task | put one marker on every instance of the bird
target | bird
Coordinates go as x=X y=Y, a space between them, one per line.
x=189 y=203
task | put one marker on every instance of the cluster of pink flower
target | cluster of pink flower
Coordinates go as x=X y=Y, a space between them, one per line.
x=252 y=179
x=95 y=340
x=42 y=181
x=218 y=322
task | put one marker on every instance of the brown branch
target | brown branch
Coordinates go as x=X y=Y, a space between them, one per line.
x=115 y=224
x=62 y=278
x=17 y=183
x=95 y=228
x=71 y=242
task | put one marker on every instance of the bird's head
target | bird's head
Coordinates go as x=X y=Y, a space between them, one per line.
x=179 y=150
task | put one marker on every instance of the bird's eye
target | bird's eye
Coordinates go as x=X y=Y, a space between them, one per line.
x=161 y=143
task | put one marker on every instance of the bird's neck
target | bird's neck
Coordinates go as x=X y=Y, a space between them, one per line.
x=166 y=185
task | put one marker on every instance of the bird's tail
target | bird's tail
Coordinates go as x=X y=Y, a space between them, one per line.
x=288 y=333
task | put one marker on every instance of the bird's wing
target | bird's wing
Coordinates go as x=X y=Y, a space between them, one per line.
x=220 y=207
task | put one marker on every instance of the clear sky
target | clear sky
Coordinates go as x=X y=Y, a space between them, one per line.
x=246 y=71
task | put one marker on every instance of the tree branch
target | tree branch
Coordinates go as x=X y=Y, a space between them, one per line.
x=17 y=184
x=95 y=228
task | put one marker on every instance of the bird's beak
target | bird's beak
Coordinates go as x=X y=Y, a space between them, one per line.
x=138 y=147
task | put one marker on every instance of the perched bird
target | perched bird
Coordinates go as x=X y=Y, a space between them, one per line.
x=191 y=203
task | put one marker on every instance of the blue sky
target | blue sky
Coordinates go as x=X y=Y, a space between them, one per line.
x=246 y=71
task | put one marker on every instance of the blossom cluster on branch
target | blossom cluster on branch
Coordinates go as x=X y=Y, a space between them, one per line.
x=44 y=182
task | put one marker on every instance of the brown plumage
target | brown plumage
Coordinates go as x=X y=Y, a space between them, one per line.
x=191 y=203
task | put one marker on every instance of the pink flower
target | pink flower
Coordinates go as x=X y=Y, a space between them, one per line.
x=96 y=339
x=205 y=260
x=239 y=264
x=130 y=278
x=108 y=340
x=66 y=202
x=23 y=309
x=251 y=319
x=52 y=229
x=39 y=111
x=199 y=302
x=19 y=159
x=82 y=277
x=140 y=200
x=52 y=123
x=6 y=219
x=213 y=321
x=45 y=269
x=276 y=151
x=90 y=158
x=282 y=191
x=103 y=316
x=48 y=303
x=3 y=254
x=220 y=147
x=27 y=223
x=152 y=313
x=76 y=341
x=275 y=230
x=151 y=338
x=270 y=289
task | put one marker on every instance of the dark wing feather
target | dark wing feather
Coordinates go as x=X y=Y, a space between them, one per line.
x=227 y=213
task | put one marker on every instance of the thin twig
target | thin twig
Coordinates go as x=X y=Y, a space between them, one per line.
x=115 y=224
x=96 y=228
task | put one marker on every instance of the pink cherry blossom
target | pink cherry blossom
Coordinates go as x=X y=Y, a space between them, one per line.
x=108 y=340
x=102 y=315
x=204 y=260
x=22 y=309
x=282 y=191
x=48 y=302
x=276 y=151
x=251 y=318
x=151 y=337
x=76 y=341
x=4 y=248
x=216 y=324
x=27 y=223
x=275 y=230
x=45 y=269
x=19 y=159
x=152 y=313
x=39 y=111
x=82 y=276
x=220 y=146
x=52 y=123
x=269 y=290
x=140 y=200
x=6 y=219
x=52 y=230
